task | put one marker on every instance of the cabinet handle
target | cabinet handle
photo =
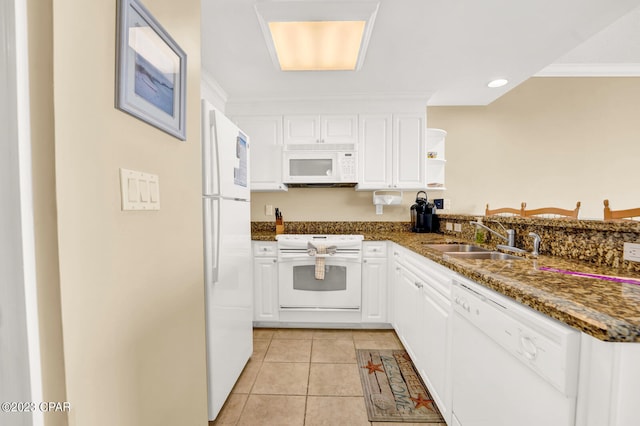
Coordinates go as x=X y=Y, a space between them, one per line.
x=275 y=261
x=418 y=284
x=364 y=261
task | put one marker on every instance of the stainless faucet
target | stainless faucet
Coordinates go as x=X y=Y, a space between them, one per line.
x=536 y=243
x=511 y=234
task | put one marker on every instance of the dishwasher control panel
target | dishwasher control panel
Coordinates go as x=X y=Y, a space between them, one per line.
x=545 y=345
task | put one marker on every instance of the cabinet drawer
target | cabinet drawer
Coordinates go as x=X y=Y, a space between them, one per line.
x=265 y=249
x=374 y=249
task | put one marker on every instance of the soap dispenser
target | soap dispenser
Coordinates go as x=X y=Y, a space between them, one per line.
x=480 y=235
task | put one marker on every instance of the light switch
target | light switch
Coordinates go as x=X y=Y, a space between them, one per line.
x=144 y=190
x=139 y=191
x=132 y=189
x=153 y=192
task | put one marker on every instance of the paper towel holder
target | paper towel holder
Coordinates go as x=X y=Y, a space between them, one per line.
x=386 y=198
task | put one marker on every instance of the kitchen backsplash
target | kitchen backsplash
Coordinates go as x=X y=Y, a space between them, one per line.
x=312 y=227
x=591 y=241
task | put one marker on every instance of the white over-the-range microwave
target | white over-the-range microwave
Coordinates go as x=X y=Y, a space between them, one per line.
x=317 y=164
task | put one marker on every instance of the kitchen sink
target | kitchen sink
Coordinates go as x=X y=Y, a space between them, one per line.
x=457 y=248
x=491 y=255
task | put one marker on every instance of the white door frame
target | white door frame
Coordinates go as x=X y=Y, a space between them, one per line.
x=20 y=371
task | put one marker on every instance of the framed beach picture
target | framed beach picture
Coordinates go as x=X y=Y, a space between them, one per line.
x=151 y=70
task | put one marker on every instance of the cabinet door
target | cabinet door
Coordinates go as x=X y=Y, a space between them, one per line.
x=265 y=282
x=311 y=129
x=374 y=151
x=407 y=305
x=408 y=151
x=374 y=290
x=266 y=148
x=301 y=129
x=339 y=129
x=433 y=357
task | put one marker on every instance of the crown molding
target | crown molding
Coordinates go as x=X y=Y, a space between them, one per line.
x=590 y=70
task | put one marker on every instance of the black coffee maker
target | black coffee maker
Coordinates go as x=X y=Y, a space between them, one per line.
x=423 y=215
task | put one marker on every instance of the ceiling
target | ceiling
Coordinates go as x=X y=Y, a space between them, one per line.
x=443 y=51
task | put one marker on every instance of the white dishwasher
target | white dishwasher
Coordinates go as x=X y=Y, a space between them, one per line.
x=511 y=365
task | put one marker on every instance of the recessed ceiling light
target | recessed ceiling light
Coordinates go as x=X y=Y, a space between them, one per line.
x=317 y=46
x=499 y=82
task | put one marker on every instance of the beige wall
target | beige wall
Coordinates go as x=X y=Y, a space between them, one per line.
x=549 y=141
x=131 y=282
x=327 y=204
x=40 y=27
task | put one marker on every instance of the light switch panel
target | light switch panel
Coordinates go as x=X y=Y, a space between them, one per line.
x=139 y=191
x=631 y=252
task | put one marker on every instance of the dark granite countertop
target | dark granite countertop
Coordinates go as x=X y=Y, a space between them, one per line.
x=607 y=310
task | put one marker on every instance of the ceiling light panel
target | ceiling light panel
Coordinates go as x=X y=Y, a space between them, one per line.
x=321 y=46
x=336 y=33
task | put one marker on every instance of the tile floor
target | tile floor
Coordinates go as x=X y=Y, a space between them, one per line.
x=304 y=377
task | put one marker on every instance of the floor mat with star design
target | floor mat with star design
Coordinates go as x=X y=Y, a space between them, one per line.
x=393 y=390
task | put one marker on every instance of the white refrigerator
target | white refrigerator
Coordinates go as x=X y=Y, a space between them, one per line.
x=227 y=251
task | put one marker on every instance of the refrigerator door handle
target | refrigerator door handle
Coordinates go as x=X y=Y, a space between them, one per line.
x=215 y=150
x=206 y=148
x=210 y=152
x=212 y=239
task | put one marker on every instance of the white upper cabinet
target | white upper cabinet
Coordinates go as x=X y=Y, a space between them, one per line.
x=435 y=159
x=328 y=129
x=408 y=151
x=374 y=151
x=265 y=133
x=392 y=151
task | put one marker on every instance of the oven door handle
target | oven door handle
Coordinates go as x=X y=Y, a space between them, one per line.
x=321 y=255
x=353 y=258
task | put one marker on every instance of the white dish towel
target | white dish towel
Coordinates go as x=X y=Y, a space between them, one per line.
x=320 y=251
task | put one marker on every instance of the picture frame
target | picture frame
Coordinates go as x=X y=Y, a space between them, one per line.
x=151 y=70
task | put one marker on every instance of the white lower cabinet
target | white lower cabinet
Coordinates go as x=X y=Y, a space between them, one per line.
x=407 y=309
x=422 y=320
x=608 y=384
x=265 y=281
x=434 y=359
x=374 y=282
